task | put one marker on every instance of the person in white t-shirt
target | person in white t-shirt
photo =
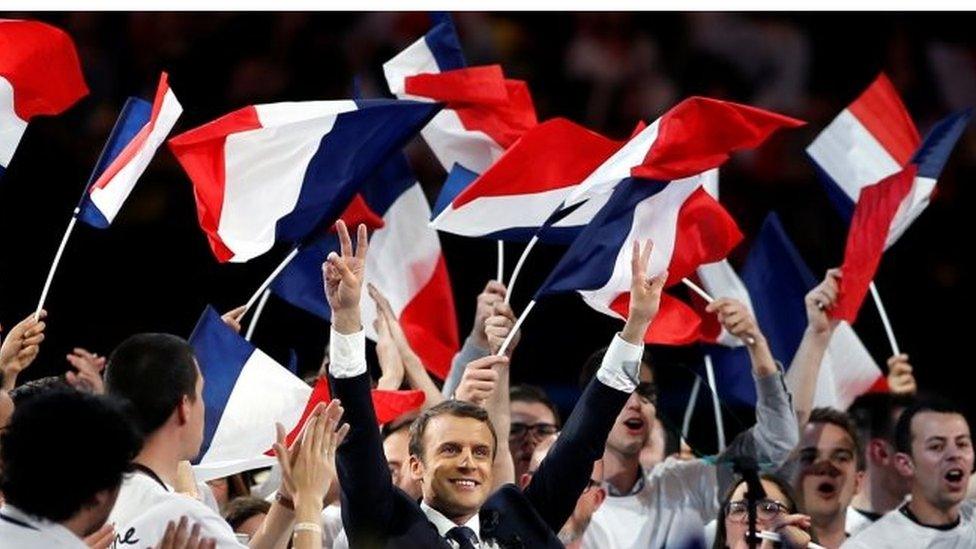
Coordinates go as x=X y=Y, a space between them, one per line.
x=669 y=504
x=159 y=377
x=64 y=454
x=935 y=450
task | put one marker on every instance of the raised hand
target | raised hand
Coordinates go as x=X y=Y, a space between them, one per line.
x=89 y=375
x=232 y=317
x=480 y=379
x=735 y=318
x=181 y=536
x=391 y=364
x=309 y=469
x=820 y=300
x=498 y=326
x=645 y=294
x=344 y=279
x=20 y=348
x=901 y=381
x=493 y=293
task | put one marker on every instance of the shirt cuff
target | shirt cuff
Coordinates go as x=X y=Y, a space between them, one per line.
x=347 y=354
x=620 y=368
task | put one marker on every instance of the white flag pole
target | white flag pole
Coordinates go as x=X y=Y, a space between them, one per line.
x=57 y=260
x=719 y=426
x=518 y=267
x=690 y=409
x=500 y=264
x=515 y=329
x=267 y=282
x=884 y=319
x=708 y=299
x=257 y=314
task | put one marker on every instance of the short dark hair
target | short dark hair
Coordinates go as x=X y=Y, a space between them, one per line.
x=22 y=393
x=91 y=431
x=394 y=427
x=456 y=408
x=903 y=429
x=840 y=419
x=153 y=372
x=240 y=509
x=873 y=415
x=531 y=393
x=594 y=361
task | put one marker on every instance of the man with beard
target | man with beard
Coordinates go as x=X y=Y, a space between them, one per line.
x=669 y=504
x=829 y=473
x=935 y=450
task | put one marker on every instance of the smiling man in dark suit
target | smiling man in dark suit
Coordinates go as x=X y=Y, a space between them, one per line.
x=453 y=444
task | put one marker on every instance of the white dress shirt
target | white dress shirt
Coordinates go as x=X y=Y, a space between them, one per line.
x=18 y=530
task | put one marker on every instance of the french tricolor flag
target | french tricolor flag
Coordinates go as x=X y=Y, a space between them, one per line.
x=776 y=280
x=39 y=75
x=405 y=263
x=484 y=113
x=277 y=172
x=238 y=435
x=559 y=175
x=140 y=130
x=688 y=228
x=886 y=208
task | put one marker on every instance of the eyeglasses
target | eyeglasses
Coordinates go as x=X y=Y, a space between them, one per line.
x=519 y=430
x=647 y=391
x=766 y=509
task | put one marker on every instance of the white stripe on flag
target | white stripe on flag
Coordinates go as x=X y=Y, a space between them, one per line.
x=11 y=126
x=617 y=167
x=416 y=59
x=452 y=143
x=847 y=370
x=280 y=114
x=489 y=214
x=402 y=255
x=851 y=155
x=910 y=208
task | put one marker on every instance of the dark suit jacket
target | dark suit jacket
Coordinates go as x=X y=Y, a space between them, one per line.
x=377 y=514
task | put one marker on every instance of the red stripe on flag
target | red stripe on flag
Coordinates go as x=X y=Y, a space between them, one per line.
x=41 y=63
x=706 y=233
x=429 y=322
x=358 y=212
x=133 y=147
x=201 y=153
x=555 y=154
x=884 y=115
x=675 y=324
x=485 y=85
x=482 y=99
x=876 y=208
x=388 y=405
x=700 y=133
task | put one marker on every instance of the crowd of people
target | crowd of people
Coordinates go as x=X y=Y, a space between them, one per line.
x=100 y=457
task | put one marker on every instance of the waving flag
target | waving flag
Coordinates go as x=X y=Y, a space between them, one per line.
x=139 y=131
x=520 y=191
x=695 y=136
x=484 y=112
x=39 y=75
x=237 y=434
x=688 y=228
x=561 y=167
x=277 y=172
x=405 y=263
x=885 y=209
x=777 y=280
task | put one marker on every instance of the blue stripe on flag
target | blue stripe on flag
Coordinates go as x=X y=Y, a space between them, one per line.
x=442 y=41
x=355 y=148
x=392 y=180
x=458 y=180
x=588 y=263
x=134 y=116
x=221 y=354
x=777 y=279
x=934 y=152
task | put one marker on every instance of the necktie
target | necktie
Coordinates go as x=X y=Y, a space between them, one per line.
x=464 y=536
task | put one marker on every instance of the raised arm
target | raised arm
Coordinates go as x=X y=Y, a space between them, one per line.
x=566 y=469
x=20 y=348
x=805 y=368
x=366 y=486
x=476 y=344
